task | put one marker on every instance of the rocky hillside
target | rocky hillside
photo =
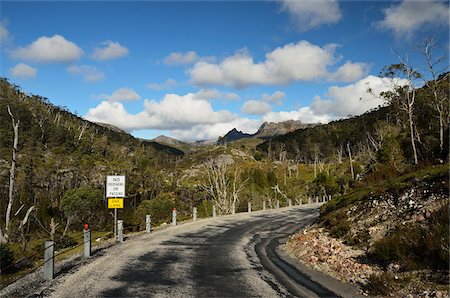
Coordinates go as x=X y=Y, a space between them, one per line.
x=388 y=237
x=271 y=129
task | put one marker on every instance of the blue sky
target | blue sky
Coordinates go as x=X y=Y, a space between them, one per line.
x=196 y=69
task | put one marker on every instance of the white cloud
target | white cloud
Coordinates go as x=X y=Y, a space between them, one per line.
x=304 y=114
x=410 y=15
x=23 y=71
x=255 y=107
x=180 y=58
x=301 y=61
x=350 y=72
x=110 y=50
x=213 y=131
x=169 y=83
x=88 y=72
x=208 y=94
x=126 y=94
x=192 y=117
x=4 y=32
x=170 y=113
x=352 y=99
x=276 y=97
x=312 y=13
x=49 y=49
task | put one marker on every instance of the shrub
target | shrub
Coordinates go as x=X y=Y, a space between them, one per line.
x=417 y=246
x=6 y=257
x=160 y=209
x=337 y=223
x=64 y=241
x=380 y=285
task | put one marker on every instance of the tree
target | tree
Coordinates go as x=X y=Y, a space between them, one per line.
x=403 y=95
x=12 y=177
x=223 y=189
x=79 y=204
x=160 y=208
x=437 y=66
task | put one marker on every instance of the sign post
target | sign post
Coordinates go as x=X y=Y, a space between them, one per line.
x=115 y=192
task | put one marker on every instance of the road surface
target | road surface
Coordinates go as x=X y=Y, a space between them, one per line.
x=230 y=256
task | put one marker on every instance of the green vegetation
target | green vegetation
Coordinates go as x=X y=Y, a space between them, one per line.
x=417 y=246
x=6 y=257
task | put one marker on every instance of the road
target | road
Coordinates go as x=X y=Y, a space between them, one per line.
x=230 y=256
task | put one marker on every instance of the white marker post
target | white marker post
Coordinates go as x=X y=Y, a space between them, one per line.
x=115 y=188
x=174 y=217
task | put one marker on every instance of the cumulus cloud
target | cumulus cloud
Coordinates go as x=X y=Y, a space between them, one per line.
x=180 y=58
x=352 y=99
x=304 y=114
x=55 y=49
x=4 y=32
x=301 y=61
x=214 y=131
x=171 y=113
x=256 y=107
x=125 y=94
x=109 y=50
x=192 y=117
x=89 y=73
x=350 y=72
x=276 y=97
x=169 y=83
x=23 y=71
x=410 y=16
x=208 y=94
x=311 y=14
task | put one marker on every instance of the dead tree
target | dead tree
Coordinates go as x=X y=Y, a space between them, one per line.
x=351 y=162
x=223 y=190
x=12 y=177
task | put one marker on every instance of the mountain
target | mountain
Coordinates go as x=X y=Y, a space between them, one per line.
x=271 y=129
x=233 y=135
x=168 y=141
x=266 y=131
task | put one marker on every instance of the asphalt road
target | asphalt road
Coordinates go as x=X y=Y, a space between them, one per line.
x=231 y=256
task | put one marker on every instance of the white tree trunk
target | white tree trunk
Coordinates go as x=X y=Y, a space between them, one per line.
x=12 y=173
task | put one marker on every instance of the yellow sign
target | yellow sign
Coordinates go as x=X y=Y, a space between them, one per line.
x=115 y=203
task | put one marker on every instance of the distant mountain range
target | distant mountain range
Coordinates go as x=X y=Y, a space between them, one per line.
x=266 y=131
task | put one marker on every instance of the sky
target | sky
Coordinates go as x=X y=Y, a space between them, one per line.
x=194 y=70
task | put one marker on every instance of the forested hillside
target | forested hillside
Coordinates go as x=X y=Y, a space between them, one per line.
x=384 y=131
x=58 y=151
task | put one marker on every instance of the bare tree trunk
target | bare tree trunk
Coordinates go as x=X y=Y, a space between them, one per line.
x=12 y=172
x=411 y=129
x=351 y=162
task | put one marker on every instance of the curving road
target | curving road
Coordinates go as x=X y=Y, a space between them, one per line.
x=231 y=256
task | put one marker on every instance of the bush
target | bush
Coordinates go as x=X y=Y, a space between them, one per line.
x=417 y=246
x=380 y=285
x=337 y=223
x=6 y=257
x=64 y=241
x=160 y=209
